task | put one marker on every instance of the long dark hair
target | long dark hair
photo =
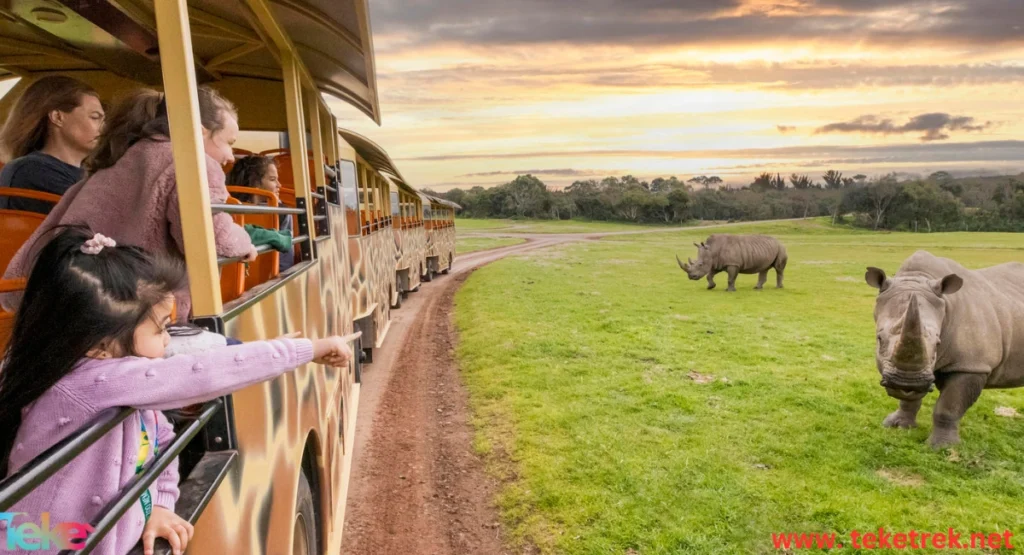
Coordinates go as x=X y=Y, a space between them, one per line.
x=142 y=114
x=73 y=303
x=249 y=172
x=28 y=124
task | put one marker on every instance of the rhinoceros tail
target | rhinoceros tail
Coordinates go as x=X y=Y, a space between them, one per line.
x=781 y=258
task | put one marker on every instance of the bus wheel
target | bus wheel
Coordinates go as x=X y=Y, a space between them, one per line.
x=448 y=269
x=429 y=276
x=304 y=532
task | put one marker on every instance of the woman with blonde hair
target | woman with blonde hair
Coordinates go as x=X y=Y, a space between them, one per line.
x=52 y=128
x=131 y=193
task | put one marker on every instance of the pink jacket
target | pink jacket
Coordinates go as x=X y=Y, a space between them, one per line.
x=79 y=490
x=135 y=202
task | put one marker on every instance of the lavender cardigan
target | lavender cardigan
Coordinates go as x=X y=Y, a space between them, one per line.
x=79 y=490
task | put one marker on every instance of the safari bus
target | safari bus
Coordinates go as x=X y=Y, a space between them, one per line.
x=439 y=215
x=373 y=288
x=405 y=209
x=266 y=469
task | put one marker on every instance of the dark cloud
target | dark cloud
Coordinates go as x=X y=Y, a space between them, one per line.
x=632 y=22
x=785 y=129
x=982 y=151
x=934 y=126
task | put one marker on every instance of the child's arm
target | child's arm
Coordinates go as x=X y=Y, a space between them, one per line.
x=167 y=484
x=183 y=380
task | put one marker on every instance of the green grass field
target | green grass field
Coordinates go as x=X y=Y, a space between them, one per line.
x=465 y=245
x=466 y=225
x=628 y=410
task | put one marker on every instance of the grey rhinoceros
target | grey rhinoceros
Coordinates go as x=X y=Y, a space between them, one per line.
x=737 y=254
x=940 y=323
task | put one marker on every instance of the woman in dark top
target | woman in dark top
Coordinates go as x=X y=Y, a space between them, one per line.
x=51 y=130
x=260 y=172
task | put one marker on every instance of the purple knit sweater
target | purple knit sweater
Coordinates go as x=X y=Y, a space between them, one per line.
x=135 y=202
x=78 y=491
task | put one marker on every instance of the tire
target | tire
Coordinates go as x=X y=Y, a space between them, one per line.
x=359 y=360
x=304 y=525
x=429 y=276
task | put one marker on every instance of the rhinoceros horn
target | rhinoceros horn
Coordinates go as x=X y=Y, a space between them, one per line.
x=910 y=352
x=681 y=265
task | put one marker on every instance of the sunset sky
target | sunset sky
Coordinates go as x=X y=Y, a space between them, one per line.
x=474 y=92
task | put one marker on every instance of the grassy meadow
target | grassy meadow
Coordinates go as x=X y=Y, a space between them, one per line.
x=627 y=410
x=469 y=225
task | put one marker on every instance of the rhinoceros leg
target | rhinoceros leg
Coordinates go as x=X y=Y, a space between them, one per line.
x=958 y=392
x=778 y=277
x=711 y=280
x=761 y=278
x=905 y=416
x=733 y=271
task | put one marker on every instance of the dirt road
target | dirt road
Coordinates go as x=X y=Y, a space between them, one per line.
x=417 y=487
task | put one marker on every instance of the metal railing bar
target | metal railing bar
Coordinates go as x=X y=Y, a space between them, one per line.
x=30 y=476
x=196 y=492
x=255 y=209
x=130 y=494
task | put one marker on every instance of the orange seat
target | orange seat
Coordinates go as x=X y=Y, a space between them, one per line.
x=16 y=226
x=232 y=276
x=266 y=265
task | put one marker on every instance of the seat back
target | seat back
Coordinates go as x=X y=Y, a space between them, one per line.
x=16 y=226
x=266 y=265
x=232 y=276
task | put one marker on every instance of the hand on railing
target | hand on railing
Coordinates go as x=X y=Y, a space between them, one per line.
x=251 y=256
x=165 y=524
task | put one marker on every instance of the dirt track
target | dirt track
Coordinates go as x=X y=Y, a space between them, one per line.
x=417 y=487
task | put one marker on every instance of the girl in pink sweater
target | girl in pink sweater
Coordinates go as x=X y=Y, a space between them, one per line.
x=91 y=335
x=131 y=194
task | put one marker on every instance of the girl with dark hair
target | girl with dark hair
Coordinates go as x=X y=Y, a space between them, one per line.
x=131 y=194
x=52 y=128
x=91 y=334
x=260 y=172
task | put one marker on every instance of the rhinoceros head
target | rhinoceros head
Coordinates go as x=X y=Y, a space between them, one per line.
x=908 y=321
x=699 y=268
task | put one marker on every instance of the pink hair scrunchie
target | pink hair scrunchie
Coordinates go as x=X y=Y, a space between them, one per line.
x=96 y=244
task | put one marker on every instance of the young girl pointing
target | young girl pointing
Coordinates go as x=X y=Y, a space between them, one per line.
x=90 y=334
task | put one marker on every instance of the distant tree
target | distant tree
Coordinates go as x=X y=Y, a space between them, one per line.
x=526 y=195
x=833 y=179
x=801 y=181
x=762 y=182
x=778 y=182
x=848 y=182
x=881 y=195
x=860 y=178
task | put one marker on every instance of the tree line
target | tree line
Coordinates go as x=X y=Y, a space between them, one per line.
x=938 y=202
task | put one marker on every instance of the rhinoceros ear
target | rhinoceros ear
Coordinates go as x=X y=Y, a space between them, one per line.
x=876 y=278
x=947 y=285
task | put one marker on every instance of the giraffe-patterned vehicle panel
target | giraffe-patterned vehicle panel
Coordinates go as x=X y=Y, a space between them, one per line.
x=442 y=245
x=252 y=511
x=412 y=244
x=372 y=287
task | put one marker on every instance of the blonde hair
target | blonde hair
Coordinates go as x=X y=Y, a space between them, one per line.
x=143 y=115
x=28 y=124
